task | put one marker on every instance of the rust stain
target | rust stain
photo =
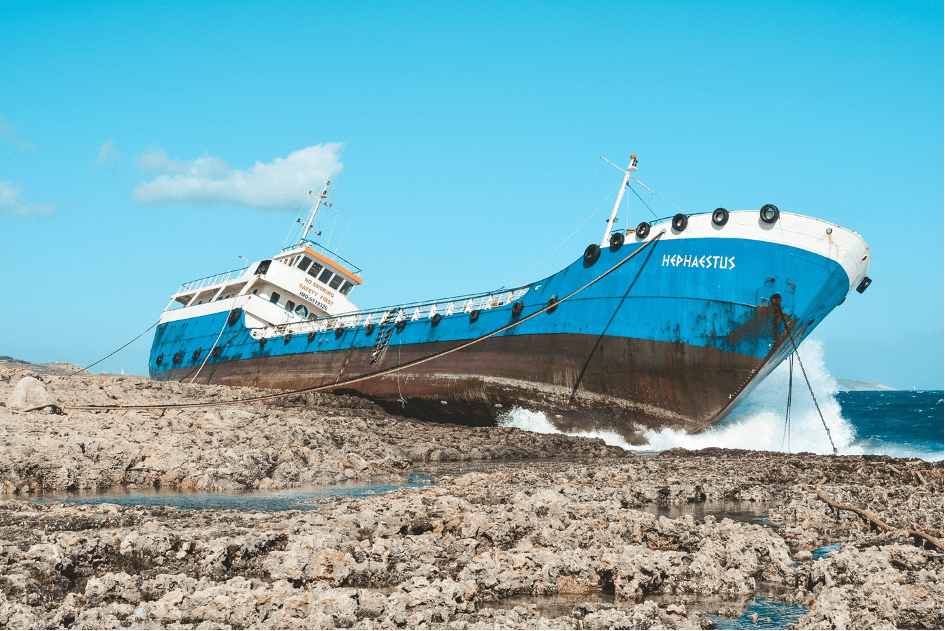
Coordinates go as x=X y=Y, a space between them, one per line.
x=764 y=320
x=344 y=366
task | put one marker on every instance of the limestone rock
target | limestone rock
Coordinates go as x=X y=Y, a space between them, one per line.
x=30 y=393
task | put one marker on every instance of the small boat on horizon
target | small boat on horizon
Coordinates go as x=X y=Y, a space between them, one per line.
x=669 y=325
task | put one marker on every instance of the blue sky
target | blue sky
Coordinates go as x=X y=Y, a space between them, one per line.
x=146 y=144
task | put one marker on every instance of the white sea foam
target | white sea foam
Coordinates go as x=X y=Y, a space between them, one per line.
x=759 y=421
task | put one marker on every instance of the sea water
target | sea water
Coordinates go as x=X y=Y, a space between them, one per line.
x=905 y=424
x=304 y=498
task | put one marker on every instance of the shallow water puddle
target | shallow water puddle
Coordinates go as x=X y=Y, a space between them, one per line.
x=820 y=553
x=771 y=615
x=305 y=498
x=771 y=612
x=740 y=511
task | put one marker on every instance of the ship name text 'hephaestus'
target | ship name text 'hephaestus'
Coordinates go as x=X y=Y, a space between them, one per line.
x=708 y=261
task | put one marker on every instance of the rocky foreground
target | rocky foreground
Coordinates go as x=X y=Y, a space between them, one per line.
x=450 y=555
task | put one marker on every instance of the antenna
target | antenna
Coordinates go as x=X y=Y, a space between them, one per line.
x=623 y=187
x=320 y=198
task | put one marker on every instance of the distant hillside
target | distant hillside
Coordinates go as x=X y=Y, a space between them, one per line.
x=56 y=368
x=860 y=385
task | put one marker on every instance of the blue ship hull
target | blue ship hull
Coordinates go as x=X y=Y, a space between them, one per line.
x=675 y=337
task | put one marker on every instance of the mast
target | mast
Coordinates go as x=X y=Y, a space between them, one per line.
x=311 y=215
x=623 y=187
x=318 y=200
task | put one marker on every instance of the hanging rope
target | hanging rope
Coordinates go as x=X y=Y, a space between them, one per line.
x=112 y=353
x=217 y=341
x=787 y=328
x=642 y=202
x=790 y=391
x=380 y=373
x=566 y=239
x=658 y=195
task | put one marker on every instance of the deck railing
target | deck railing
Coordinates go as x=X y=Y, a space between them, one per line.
x=209 y=281
x=404 y=312
x=328 y=254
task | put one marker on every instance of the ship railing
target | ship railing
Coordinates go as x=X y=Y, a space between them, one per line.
x=409 y=312
x=331 y=256
x=210 y=281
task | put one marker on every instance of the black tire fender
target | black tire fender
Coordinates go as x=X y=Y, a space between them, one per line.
x=517 y=309
x=680 y=221
x=369 y=328
x=720 y=217
x=436 y=318
x=339 y=331
x=400 y=325
x=234 y=317
x=552 y=304
x=591 y=254
x=616 y=241
x=769 y=213
x=473 y=315
x=643 y=230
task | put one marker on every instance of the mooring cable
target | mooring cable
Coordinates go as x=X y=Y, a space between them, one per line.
x=112 y=353
x=787 y=416
x=804 y=372
x=379 y=373
x=226 y=321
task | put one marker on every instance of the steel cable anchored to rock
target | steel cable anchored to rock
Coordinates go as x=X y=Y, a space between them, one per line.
x=30 y=395
x=379 y=373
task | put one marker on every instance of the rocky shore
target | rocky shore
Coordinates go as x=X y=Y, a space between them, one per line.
x=481 y=549
x=276 y=444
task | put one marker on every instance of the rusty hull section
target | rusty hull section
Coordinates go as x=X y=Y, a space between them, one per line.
x=581 y=382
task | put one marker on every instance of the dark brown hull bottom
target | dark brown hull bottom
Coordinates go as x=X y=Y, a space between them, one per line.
x=581 y=382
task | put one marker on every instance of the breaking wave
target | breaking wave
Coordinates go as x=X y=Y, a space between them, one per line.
x=759 y=421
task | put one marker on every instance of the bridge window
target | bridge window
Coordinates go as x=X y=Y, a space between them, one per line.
x=346 y=288
x=325 y=276
x=335 y=282
x=304 y=264
x=315 y=269
x=274 y=298
x=289 y=305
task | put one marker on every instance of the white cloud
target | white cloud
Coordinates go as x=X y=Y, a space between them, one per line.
x=209 y=181
x=8 y=193
x=11 y=209
x=8 y=135
x=108 y=153
x=108 y=157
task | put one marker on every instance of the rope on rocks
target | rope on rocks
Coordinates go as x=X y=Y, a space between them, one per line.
x=380 y=373
x=787 y=328
x=873 y=519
